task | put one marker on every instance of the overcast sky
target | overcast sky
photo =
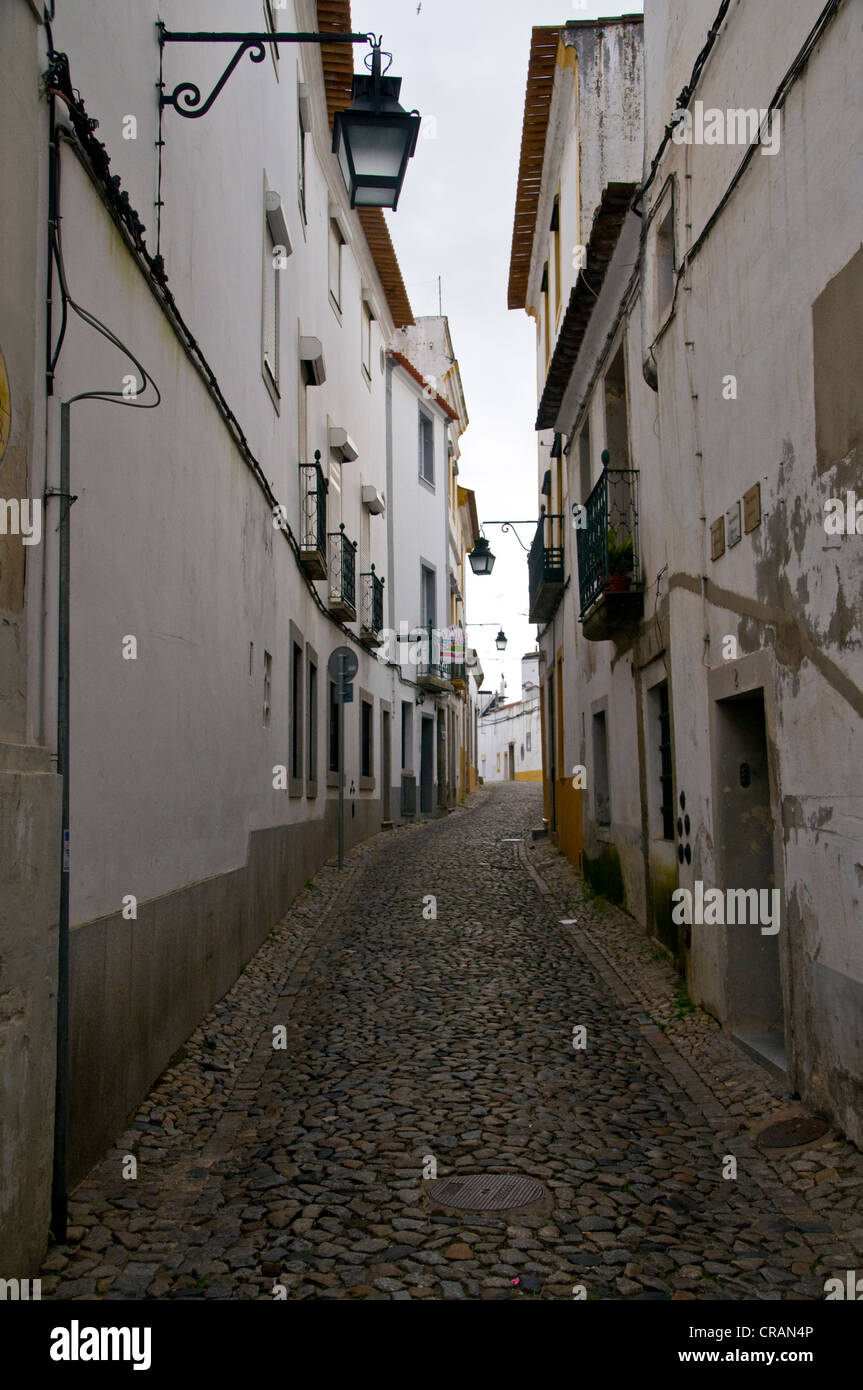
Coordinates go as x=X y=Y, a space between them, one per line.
x=464 y=65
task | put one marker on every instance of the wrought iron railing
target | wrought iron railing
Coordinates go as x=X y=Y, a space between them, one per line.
x=371 y=601
x=342 y=565
x=441 y=652
x=545 y=559
x=313 y=507
x=608 y=554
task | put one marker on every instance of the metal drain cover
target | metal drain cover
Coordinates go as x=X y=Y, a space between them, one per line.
x=788 y=1134
x=487 y=1192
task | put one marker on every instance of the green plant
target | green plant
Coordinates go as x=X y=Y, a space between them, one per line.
x=621 y=558
x=682 y=1003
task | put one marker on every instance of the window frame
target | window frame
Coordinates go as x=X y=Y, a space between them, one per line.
x=425 y=422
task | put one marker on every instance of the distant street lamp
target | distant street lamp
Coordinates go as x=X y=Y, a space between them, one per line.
x=481 y=557
x=374 y=138
x=500 y=641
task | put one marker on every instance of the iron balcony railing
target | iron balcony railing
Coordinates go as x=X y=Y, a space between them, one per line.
x=313 y=509
x=342 y=557
x=371 y=602
x=608 y=553
x=545 y=567
x=442 y=653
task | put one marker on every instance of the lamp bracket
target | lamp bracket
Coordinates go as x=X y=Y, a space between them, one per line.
x=186 y=97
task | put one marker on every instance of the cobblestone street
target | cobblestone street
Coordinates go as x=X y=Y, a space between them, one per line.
x=453 y=1038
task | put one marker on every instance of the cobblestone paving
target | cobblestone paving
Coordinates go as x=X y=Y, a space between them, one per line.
x=453 y=1038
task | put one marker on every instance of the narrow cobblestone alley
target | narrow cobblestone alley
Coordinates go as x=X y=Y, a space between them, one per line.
x=451 y=1038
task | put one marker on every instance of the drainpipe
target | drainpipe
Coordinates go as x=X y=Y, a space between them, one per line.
x=59 y=1200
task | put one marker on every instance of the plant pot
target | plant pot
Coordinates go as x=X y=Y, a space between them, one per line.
x=618 y=583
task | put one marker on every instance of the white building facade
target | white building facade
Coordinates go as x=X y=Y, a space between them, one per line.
x=706 y=396
x=223 y=542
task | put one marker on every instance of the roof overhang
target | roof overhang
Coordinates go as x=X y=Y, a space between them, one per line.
x=537 y=106
x=605 y=235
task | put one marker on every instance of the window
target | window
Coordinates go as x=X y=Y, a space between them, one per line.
x=367 y=341
x=616 y=421
x=251 y=660
x=527 y=740
x=546 y=311
x=268 y=674
x=584 y=463
x=303 y=126
x=270 y=316
x=426 y=447
x=336 y=243
x=665 y=263
x=296 y=712
x=334 y=729
x=498 y=762
x=428 y=607
x=601 y=795
x=665 y=774
x=366 y=739
x=270 y=15
x=312 y=724
x=407 y=734
x=555 y=252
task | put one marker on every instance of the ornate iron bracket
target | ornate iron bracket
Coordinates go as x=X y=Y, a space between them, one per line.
x=511 y=525
x=186 y=97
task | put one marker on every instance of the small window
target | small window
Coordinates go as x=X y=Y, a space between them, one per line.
x=271 y=7
x=527 y=740
x=407 y=734
x=312 y=724
x=336 y=243
x=616 y=412
x=268 y=675
x=270 y=328
x=426 y=447
x=296 y=711
x=334 y=729
x=302 y=132
x=584 y=463
x=555 y=243
x=665 y=774
x=366 y=745
x=367 y=341
x=428 y=605
x=665 y=263
x=601 y=793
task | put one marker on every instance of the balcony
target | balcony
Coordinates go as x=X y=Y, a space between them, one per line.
x=435 y=667
x=313 y=518
x=609 y=561
x=545 y=568
x=371 y=608
x=342 y=567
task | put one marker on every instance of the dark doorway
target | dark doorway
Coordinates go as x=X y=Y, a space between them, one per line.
x=441 y=760
x=386 y=767
x=512 y=762
x=427 y=766
x=753 y=978
x=551 y=748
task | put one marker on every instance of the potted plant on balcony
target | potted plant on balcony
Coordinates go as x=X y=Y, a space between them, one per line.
x=620 y=562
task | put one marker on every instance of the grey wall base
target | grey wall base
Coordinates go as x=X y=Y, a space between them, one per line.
x=139 y=988
x=29 y=902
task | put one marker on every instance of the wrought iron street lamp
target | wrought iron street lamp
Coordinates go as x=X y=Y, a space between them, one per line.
x=500 y=641
x=481 y=557
x=374 y=138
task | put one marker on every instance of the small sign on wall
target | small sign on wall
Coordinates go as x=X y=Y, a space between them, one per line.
x=732 y=524
x=717 y=538
x=752 y=508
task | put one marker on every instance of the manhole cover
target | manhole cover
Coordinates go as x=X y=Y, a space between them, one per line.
x=487 y=1192
x=788 y=1134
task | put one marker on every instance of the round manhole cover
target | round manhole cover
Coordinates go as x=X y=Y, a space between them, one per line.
x=487 y=1192
x=788 y=1134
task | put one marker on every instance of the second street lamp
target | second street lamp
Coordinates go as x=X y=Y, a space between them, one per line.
x=481 y=557
x=500 y=641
